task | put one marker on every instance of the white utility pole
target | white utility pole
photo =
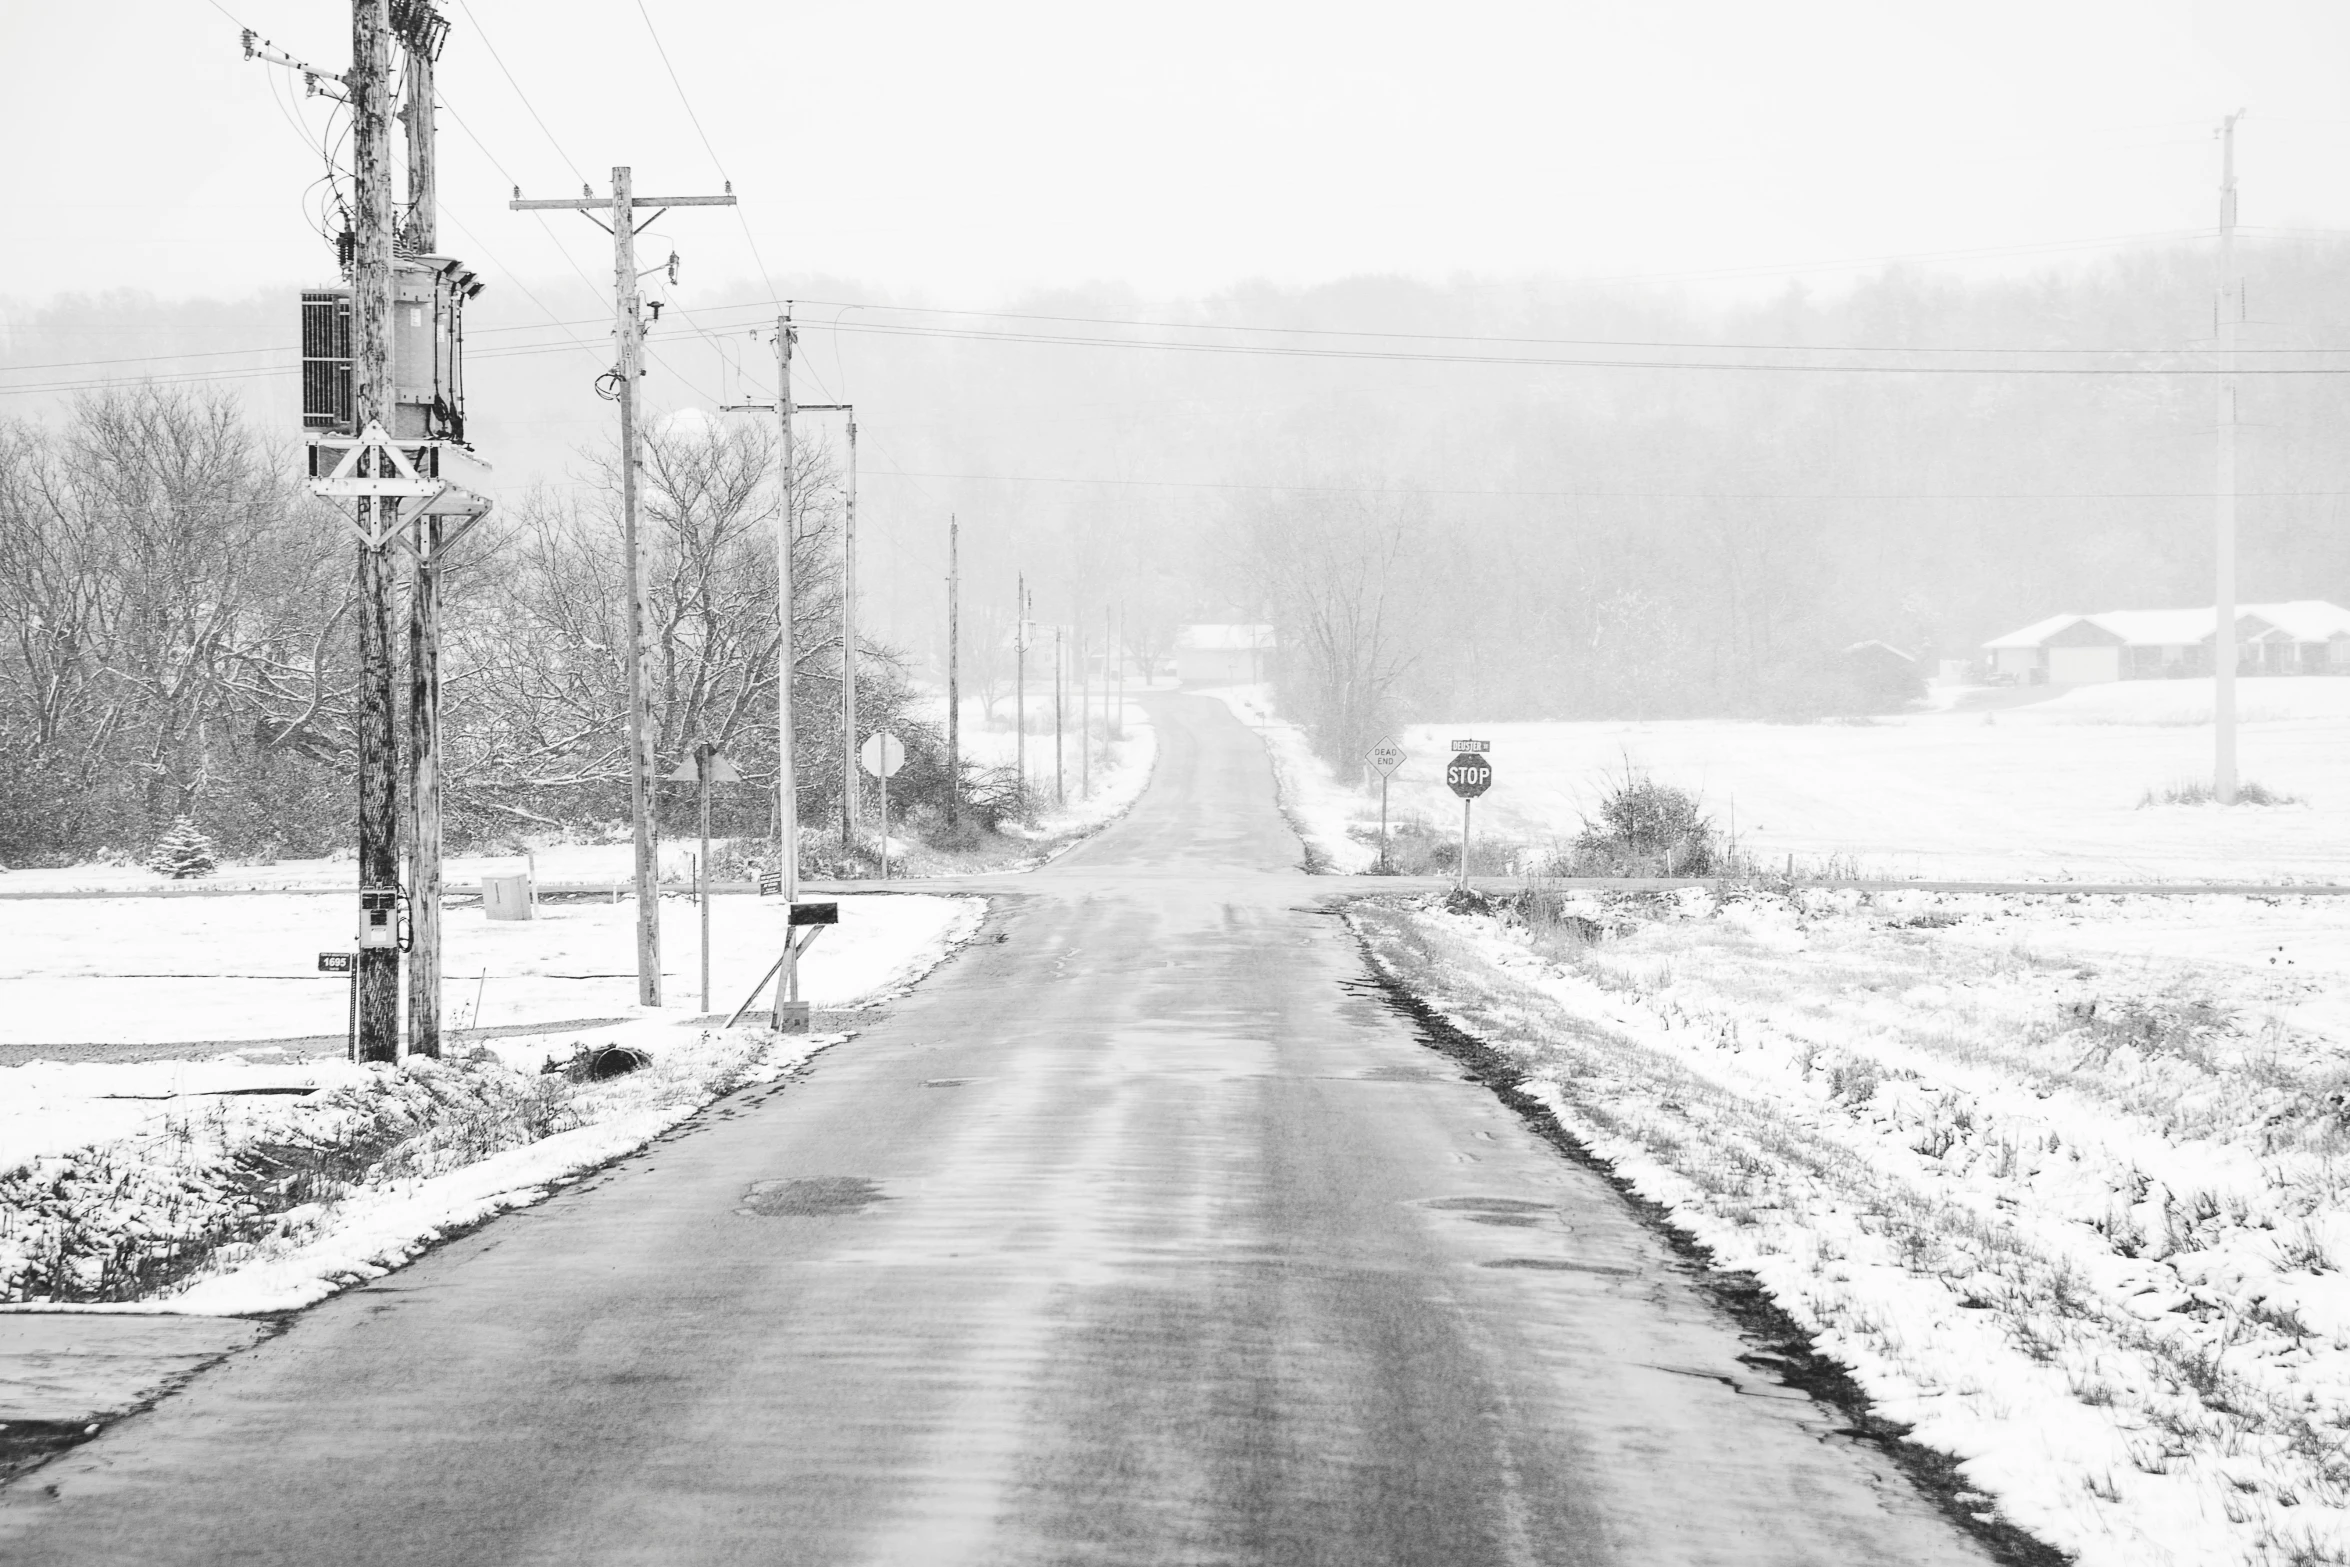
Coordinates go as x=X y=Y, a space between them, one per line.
x=629 y=333
x=2223 y=634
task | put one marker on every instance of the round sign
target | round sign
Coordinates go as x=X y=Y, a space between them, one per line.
x=882 y=755
x=1468 y=775
x=1385 y=757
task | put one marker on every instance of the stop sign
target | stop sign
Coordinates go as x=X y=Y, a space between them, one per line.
x=1468 y=775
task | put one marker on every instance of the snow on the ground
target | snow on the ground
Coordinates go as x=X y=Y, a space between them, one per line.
x=1319 y=808
x=2044 y=791
x=2048 y=790
x=1120 y=763
x=98 y=1159
x=243 y=967
x=2064 y=1179
x=569 y=864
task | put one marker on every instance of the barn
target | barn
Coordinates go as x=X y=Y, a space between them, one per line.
x=1223 y=655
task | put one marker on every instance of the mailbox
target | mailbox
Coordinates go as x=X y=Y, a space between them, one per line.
x=815 y=914
x=379 y=917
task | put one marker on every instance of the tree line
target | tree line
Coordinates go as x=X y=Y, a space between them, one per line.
x=179 y=611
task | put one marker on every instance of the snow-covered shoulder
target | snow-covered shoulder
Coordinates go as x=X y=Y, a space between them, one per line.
x=264 y=1180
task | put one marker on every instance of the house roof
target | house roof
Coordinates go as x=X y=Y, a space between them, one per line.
x=1224 y=639
x=2034 y=634
x=1873 y=646
x=2303 y=620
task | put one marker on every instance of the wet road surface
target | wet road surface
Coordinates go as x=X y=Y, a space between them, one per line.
x=1143 y=1232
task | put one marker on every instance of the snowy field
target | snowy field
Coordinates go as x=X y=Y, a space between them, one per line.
x=290 y=1173
x=2064 y=1179
x=242 y=968
x=2048 y=790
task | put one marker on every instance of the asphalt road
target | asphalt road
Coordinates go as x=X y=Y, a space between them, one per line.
x=1142 y=1233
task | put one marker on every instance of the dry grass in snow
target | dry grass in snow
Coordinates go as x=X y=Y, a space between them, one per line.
x=2066 y=1182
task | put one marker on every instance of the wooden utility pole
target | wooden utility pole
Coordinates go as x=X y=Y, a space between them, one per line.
x=425 y=542
x=628 y=330
x=954 y=672
x=1020 y=680
x=786 y=971
x=849 y=791
x=1118 y=724
x=1084 y=721
x=370 y=89
x=787 y=779
x=2223 y=631
x=1060 y=684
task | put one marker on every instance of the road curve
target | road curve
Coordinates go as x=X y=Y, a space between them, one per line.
x=1141 y=1233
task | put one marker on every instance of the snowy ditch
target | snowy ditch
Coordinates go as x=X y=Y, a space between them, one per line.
x=2064 y=1181
x=243 y=1184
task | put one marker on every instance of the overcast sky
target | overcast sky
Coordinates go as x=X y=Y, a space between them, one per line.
x=959 y=152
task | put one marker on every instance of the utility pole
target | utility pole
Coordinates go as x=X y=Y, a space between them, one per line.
x=386 y=427
x=1119 y=724
x=849 y=790
x=1060 y=683
x=629 y=331
x=954 y=672
x=1084 y=721
x=370 y=89
x=2223 y=634
x=1020 y=680
x=426 y=541
x=787 y=785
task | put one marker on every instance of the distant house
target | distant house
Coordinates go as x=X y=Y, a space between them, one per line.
x=1878 y=677
x=2305 y=637
x=1210 y=655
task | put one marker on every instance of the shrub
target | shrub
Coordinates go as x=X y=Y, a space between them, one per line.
x=2195 y=791
x=1645 y=828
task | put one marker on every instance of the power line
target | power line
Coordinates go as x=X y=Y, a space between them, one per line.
x=484 y=36
x=1398 y=356
x=1617 y=495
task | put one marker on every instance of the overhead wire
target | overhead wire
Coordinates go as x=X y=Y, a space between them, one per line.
x=483 y=34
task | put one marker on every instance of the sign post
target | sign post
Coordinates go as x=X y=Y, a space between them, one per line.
x=882 y=755
x=347 y=963
x=1385 y=758
x=704 y=768
x=1468 y=775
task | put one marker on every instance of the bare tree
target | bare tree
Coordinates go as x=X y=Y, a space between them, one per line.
x=1332 y=568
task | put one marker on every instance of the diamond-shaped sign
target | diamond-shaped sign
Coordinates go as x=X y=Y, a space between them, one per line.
x=1385 y=757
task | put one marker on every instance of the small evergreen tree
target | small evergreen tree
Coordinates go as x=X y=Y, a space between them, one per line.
x=182 y=852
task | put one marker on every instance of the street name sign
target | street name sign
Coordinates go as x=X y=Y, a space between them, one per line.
x=1468 y=775
x=1385 y=757
x=1479 y=746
